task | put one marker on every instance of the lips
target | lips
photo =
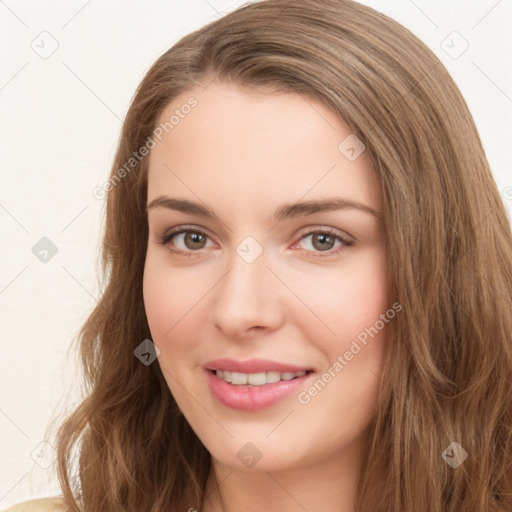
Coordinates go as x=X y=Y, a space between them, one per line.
x=255 y=384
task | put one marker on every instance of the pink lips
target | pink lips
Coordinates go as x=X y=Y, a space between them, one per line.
x=252 y=398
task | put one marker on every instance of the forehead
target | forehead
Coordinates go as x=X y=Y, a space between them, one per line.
x=252 y=146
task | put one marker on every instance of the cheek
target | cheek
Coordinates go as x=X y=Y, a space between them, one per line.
x=354 y=352
x=171 y=298
x=160 y=305
x=346 y=300
x=351 y=303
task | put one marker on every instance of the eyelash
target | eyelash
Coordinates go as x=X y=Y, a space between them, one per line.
x=165 y=239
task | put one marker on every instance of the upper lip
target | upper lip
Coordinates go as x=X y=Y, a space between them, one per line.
x=253 y=366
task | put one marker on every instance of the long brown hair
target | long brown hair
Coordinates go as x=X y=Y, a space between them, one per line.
x=448 y=376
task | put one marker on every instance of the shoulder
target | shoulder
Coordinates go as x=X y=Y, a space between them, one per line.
x=39 y=505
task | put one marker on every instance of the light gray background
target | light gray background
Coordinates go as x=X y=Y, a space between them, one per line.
x=60 y=118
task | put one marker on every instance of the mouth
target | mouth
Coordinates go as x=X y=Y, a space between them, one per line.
x=254 y=385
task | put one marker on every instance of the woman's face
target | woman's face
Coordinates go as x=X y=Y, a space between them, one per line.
x=266 y=261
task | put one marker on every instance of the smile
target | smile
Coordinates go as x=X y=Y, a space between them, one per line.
x=254 y=385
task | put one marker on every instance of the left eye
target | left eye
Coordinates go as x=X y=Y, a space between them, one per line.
x=325 y=243
x=321 y=241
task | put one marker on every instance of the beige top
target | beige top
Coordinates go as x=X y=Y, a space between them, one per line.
x=39 y=505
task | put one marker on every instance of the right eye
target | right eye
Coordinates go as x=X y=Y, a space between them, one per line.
x=190 y=240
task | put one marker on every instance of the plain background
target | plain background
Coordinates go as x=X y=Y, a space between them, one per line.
x=60 y=119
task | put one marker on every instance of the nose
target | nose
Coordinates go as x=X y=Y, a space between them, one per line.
x=247 y=300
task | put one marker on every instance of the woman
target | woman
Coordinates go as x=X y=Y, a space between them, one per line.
x=308 y=282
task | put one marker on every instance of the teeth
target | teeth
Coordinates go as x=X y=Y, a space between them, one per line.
x=239 y=379
x=273 y=377
x=256 y=379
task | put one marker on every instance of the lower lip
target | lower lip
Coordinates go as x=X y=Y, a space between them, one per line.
x=252 y=398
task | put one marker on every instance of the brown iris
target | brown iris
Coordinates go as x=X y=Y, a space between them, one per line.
x=323 y=238
x=194 y=240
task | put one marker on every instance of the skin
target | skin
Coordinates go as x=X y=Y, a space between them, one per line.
x=243 y=155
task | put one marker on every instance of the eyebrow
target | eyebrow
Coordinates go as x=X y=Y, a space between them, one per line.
x=285 y=211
